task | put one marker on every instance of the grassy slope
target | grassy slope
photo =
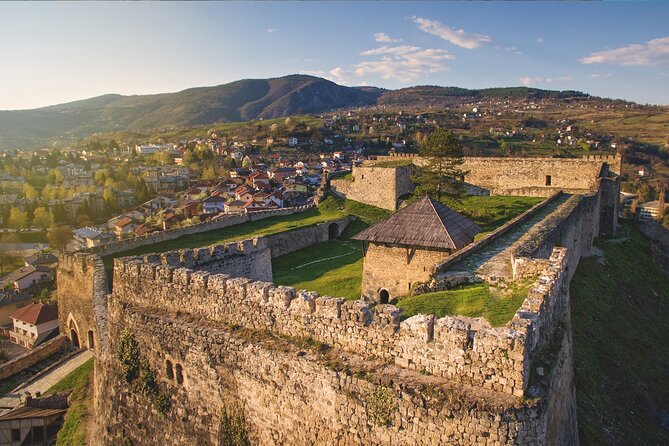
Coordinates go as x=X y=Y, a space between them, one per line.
x=478 y=300
x=75 y=425
x=341 y=276
x=621 y=326
x=242 y=231
x=491 y=212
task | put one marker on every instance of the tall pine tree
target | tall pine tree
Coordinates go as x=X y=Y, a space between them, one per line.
x=442 y=174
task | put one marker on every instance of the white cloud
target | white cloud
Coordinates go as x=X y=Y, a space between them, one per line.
x=527 y=81
x=271 y=30
x=337 y=74
x=385 y=38
x=653 y=52
x=600 y=75
x=404 y=63
x=456 y=36
x=540 y=40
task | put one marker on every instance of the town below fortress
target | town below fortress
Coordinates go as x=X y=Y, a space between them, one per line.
x=327 y=279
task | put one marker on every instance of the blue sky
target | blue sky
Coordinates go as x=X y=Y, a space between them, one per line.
x=58 y=52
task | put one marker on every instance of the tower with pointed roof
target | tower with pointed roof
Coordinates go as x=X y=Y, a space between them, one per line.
x=402 y=249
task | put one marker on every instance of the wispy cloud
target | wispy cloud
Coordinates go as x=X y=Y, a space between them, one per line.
x=527 y=81
x=653 y=52
x=338 y=75
x=404 y=63
x=455 y=36
x=540 y=40
x=271 y=30
x=600 y=75
x=385 y=38
x=511 y=49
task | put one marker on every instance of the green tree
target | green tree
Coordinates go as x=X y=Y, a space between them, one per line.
x=18 y=219
x=30 y=192
x=442 y=173
x=7 y=250
x=142 y=191
x=209 y=173
x=58 y=237
x=42 y=218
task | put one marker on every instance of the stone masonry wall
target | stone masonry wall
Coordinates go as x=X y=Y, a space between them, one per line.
x=290 y=394
x=528 y=176
x=396 y=269
x=376 y=186
x=172 y=234
x=82 y=287
x=457 y=348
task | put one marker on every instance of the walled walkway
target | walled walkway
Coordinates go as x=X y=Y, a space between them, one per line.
x=44 y=382
x=494 y=260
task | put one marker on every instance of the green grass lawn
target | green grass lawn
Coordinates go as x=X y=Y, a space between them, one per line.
x=272 y=225
x=620 y=316
x=476 y=300
x=492 y=211
x=333 y=268
x=75 y=424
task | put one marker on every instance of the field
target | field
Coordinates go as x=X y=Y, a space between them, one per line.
x=242 y=231
x=477 y=300
x=75 y=424
x=620 y=315
x=334 y=268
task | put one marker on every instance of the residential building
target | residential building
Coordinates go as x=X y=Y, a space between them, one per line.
x=90 y=237
x=650 y=210
x=28 y=278
x=34 y=324
x=10 y=301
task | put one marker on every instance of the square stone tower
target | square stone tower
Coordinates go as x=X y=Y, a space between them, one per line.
x=401 y=250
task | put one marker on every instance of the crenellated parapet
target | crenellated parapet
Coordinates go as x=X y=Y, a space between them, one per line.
x=453 y=347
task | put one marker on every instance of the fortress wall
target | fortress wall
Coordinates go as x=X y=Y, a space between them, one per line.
x=527 y=176
x=290 y=241
x=172 y=234
x=82 y=287
x=290 y=394
x=376 y=186
x=458 y=348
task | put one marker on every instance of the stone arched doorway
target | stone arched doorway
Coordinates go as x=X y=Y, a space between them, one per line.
x=384 y=296
x=74 y=337
x=333 y=231
x=73 y=331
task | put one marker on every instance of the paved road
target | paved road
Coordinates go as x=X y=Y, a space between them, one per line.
x=44 y=382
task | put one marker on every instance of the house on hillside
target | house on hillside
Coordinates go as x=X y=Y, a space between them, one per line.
x=401 y=250
x=28 y=278
x=10 y=301
x=91 y=237
x=650 y=210
x=124 y=226
x=235 y=207
x=45 y=258
x=213 y=204
x=34 y=324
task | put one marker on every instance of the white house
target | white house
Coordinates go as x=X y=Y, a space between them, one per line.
x=34 y=324
x=650 y=210
x=27 y=277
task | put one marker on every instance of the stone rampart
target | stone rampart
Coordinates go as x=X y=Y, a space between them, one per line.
x=172 y=234
x=81 y=291
x=290 y=393
x=377 y=186
x=457 y=348
x=20 y=363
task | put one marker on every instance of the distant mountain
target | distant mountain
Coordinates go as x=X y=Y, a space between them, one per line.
x=237 y=101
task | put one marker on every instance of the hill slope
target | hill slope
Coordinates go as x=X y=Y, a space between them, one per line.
x=237 y=101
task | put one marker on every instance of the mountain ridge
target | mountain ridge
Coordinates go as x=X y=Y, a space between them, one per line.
x=240 y=100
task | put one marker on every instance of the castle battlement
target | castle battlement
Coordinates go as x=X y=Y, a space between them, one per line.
x=454 y=347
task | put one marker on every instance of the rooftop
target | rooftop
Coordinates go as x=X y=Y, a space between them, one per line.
x=425 y=223
x=36 y=314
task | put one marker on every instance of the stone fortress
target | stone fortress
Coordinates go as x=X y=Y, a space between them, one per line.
x=307 y=369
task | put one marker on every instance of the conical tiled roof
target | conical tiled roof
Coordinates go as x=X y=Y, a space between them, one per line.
x=425 y=223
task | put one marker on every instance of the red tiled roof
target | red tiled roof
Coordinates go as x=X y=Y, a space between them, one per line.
x=36 y=314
